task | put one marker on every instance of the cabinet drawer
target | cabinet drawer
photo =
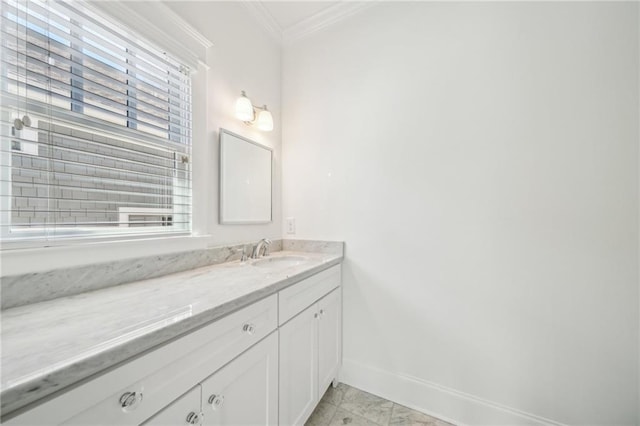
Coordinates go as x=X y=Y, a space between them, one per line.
x=294 y=299
x=160 y=376
x=185 y=410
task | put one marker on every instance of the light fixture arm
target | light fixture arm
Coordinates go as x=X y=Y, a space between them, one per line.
x=256 y=107
x=252 y=114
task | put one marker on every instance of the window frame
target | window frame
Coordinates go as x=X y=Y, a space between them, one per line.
x=74 y=114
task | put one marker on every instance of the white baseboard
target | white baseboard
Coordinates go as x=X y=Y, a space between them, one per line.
x=439 y=401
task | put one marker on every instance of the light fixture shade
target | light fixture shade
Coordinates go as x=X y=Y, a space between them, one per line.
x=244 y=109
x=265 y=120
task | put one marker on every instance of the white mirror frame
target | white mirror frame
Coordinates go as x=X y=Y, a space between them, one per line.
x=226 y=203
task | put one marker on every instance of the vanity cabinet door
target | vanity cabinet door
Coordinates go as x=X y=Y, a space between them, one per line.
x=245 y=391
x=183 y=411
x=329 y=338
x=299 y=367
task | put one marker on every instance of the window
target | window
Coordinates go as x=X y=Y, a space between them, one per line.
x=95 y=127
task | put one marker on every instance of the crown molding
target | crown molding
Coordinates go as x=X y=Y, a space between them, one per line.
x=264 y=18
x=325 y=18
x=307 y=26
x=181 y=23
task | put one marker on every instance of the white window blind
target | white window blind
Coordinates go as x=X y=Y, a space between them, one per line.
x=95 y=127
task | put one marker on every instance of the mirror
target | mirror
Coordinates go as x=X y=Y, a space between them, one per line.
x=245 y=180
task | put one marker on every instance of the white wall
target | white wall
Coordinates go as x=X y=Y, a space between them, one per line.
x=242 y=58
x=481 y=162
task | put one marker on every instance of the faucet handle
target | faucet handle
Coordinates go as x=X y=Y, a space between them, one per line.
x=243 y=258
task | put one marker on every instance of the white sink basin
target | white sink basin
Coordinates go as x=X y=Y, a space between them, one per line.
x=279 y=262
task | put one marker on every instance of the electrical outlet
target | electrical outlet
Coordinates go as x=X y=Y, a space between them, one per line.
x=291 y=225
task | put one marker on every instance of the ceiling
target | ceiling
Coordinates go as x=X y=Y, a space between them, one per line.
x=287 y=21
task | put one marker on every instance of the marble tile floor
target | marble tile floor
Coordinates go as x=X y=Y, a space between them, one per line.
x=346 y=405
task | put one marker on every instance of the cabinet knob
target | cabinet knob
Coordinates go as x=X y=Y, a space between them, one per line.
x=316 y=315
x=321 y=312
x=249 y=328
x=129 y=401
x=194 y=418
x=216 y=401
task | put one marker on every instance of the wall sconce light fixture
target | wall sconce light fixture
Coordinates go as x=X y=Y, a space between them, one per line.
x=253 y=115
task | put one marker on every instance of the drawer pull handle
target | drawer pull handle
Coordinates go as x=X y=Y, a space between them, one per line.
x=249 y=328
x=194 y=418
x=129 y=401
x=216 y=401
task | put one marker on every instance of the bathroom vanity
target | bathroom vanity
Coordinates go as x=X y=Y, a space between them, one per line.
x=254 y=342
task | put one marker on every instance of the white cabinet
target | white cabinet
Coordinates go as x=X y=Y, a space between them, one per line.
x=241 y=369
x=159 y=377
x=329 y=339
x=310 y=353
x=245 y=391
x=183 y=411
x=299 y=367
x=294 y=299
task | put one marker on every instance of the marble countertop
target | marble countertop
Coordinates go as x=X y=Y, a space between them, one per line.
x=50 y=345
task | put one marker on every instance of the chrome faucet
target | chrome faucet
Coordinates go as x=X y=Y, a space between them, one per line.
x=262 y=244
